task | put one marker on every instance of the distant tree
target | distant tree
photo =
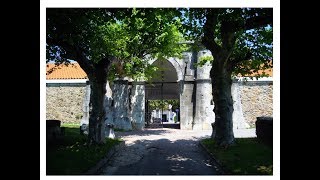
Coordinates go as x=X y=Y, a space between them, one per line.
x=110 y=43
x=240 y=41
x=163 y=104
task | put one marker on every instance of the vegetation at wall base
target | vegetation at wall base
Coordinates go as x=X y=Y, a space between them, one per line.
x=247 y=157
x=71 y=155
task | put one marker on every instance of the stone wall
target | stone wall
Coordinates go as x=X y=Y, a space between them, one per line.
x=65 y=102
x=120 y=106
x=256 y=99
x=137 y=106
x=238 y=119
x=186 y=105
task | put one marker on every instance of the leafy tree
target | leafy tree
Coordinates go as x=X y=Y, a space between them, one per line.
x=164 y=104
x=110 y=43
x=240 y=41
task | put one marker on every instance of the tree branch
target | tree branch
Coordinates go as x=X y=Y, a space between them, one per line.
x=228 y=37
x=258 y=21
x=208 y=29
x=253 y=22
x=73 y=52
x=83 y=61
x=63 y=45
x=233 y=62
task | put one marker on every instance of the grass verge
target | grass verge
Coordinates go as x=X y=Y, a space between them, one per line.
x=70 y=156
x=247 y=157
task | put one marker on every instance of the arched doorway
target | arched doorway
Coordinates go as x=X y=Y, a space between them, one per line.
x=162 y=97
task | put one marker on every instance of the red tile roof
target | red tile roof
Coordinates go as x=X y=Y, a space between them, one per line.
x=268 y=72
x=72 y=71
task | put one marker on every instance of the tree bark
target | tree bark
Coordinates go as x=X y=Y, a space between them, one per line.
x=97 y=114
x=223 y=103
x=98 y=81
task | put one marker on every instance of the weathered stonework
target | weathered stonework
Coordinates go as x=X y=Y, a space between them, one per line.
x=256 y=99
x=65 y=103
x=186 y=105
x=204 y=114
x=237 y=115
x=137 y=106
x=120 y=105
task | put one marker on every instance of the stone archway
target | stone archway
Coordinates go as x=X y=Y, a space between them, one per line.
x=192 y=86
x=164 y=86
x=176 y=63
x=189 y=83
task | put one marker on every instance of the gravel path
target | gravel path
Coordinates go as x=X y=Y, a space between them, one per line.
x=164 y=152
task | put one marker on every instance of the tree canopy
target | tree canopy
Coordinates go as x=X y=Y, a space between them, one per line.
x=247 y=32
x=164 y=104
x=127 y=37
x=110 y=43
x=240 y=41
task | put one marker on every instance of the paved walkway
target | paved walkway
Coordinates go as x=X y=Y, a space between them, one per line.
x=164 y=152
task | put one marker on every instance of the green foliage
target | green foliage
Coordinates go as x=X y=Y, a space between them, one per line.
x=247 y=157
x=163 y=104
x=175 y=119
x=70 y=125
x=68 y=27
x=259 y=44
x=204 y=60
x=112 y=43
x=249 y=28
x=127 y=38
x=72 y=156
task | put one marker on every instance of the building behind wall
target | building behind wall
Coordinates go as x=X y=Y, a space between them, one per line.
x=65 y=90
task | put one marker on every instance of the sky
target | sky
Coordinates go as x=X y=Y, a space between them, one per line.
x=275 y=4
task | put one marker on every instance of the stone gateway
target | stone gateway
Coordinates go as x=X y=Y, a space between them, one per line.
x=178 y=79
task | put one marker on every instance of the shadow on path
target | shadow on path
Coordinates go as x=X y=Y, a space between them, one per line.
x=161 y=152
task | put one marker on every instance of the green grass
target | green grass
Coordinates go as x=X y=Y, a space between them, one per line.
x=71 y=156
x=70 y=125
x=247 y=157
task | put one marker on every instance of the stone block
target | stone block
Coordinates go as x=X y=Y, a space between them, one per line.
x=84 y=129
x=110 y=131
x=264 y=129
x=53 y=131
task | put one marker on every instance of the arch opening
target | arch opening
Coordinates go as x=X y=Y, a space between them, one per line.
x=163 y=97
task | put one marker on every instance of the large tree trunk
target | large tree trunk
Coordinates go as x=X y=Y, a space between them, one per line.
x=97 y=114
x=223 y=104
x=97 y=73
x=98 y=81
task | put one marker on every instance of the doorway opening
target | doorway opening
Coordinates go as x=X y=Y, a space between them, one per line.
x=163 y=97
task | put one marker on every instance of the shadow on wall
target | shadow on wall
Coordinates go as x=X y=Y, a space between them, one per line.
x=181 y=86
x=120 y=104
x=137 y=106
